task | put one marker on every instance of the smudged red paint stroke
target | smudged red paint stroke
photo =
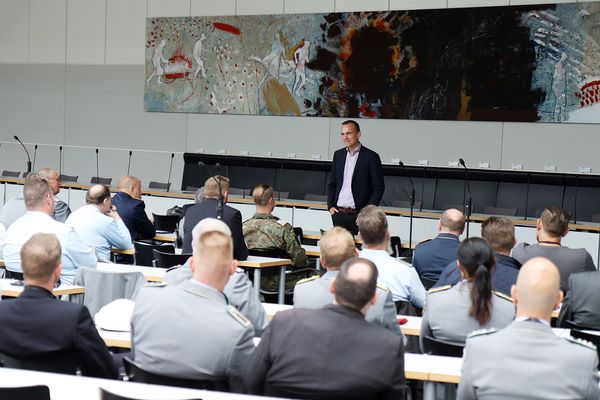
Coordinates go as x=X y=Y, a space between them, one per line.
x=227 y=28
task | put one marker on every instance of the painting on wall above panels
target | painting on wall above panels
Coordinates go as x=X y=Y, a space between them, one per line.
x=526 y=63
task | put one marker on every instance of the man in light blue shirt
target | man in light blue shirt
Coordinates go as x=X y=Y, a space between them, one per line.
x=99 y=224
x=400 y=278
x=39 y=202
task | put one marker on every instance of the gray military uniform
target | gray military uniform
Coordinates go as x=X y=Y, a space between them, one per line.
x=526 y=360
x=446 y=314
x=314 y=293
x=189 y=331
x=239 y=292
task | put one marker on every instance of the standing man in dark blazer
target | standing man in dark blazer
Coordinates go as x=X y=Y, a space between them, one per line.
x=208 y=209
x=131 y=208
x=356 y=179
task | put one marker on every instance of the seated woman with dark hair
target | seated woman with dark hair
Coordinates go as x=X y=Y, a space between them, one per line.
x=451 y=313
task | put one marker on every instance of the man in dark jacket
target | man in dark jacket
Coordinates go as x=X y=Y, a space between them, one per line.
x=132 y=209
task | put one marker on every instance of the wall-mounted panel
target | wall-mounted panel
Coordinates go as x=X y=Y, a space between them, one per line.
x=86 y=23
x=361 y=5
x=476 y=3
x=32 y=102
x=416 y=4
x=279 y=135
x=308 y=6
x=259 y=7
x=47 y=31
x=14 y=31
x=210 y=7
x=168 y=8
x=125 y=22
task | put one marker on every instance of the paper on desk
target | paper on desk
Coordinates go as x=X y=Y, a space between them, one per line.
x=115 y=316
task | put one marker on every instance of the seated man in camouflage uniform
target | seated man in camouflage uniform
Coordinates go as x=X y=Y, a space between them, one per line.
x=264 y=231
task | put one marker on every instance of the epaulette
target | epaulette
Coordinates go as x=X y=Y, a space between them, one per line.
x=481 y=332
x=238 y=316
x=173 y=268
x=581 y=342
x=383 y=287
x=312 y=278
x=425 y=241
x=439 y=289
x=156 y=284
x=505 y=297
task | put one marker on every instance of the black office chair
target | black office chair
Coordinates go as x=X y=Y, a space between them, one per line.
x=145 y=256
x=299 y=234
x=13 y=275
x=159 y=185
x=315 y=197
x=510 y=211
x=427 y=283
x=166 y=223
x=206 y=382
x=239 y=192
x=11 y=174
x=167 y=260
x=593 y=338
x=69 y=178
x=38 y=392
x=406 y=204
x=396 y=246
x=439 y=347
x=61 y=362
x=98 y=179
x=281 y=195
x=106 y=395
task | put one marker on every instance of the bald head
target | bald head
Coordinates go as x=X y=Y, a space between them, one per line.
x=452 y=221
x=99 y=195
x=356 y=283
x=53 y=178
x=537 y=291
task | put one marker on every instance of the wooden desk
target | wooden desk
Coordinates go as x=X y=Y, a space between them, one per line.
x=165 y=237
x=9 y=290
x=266 y=262
x=150 y=273
x=130 y=252
x=115 y=338
x=412 y=327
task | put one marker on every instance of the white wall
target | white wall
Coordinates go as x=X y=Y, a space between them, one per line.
x=72 y=74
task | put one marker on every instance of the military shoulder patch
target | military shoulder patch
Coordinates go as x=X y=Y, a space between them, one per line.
x=439 y=289
x=505 y=297
x=481 y=332
x=238 y=316
x=312 y=278
x=156 y=284
x=383 y=287
x=581 y=342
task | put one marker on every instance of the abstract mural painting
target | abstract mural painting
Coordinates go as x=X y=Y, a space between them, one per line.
x=526 y=63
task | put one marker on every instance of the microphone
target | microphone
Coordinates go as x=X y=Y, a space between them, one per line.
x=170 y=168
x=129 y=162
x=220 y=197
x=468 y=191
x=97 y=168
x=34 y=155
x=60 y=160
x=26 y=152
x=411 y=198
x=279 y=183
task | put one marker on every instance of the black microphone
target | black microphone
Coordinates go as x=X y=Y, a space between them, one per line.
x=170 y=168
x=411 y=198
x=220 y=197
x=280 y=182
x=34 y=155
x=60 y=160
x=97 y=168
x=26 y=152
x=129 y=162
x=468 y=190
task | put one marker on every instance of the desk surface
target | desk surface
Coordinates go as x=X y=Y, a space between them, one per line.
x=150 y=273
x=264 y=262
x=9 y=290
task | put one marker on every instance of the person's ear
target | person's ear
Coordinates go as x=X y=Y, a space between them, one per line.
x=332 y=286
x=192 y=263
x=373 y=299
x=514 y=293
x=559 y=299
x=233 y=266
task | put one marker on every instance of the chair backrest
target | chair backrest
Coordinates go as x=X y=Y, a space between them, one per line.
x=99 y=179
x=145 y=256
x=596 y=218
x=13 y=275
x=38 y=392
x=427 y=283
x=206 y=382
x=166 y=223
x=438 y=347
x=12 y=174
x=396 y=246
x=167 y=260
x=299 y=233
x=589 y=336
x=190 y=189
x=103 y=287
x=273 y=253
x=406 y=204
x=106 y=395
x=281 y=195
x=511 y=212
x=69 y=178
x=315 y=197
x=159 y=185
x=61 y=362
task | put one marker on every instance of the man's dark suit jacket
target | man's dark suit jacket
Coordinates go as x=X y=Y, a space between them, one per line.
x=330 y=353
x=582 y=301
x=36 y=323
x=208 y=209
x=133 y=213
x=367 y=180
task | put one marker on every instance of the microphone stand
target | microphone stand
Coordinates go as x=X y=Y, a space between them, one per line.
x=411 y=198
x=26 y=152
x=170 y=168
x=220 y=199
x=469 y=200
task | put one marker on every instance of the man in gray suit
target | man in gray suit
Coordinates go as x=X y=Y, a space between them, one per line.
x=189 y=330
x=337 y=245
x=239 y=290
x=581 y=305
x=526 y=359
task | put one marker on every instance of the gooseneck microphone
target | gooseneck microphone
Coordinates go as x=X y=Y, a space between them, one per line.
x=60 y=160
x=411 y=198
x=467 y=188
x=129 y=162
x=170 y=168
x=97 y=168
x=34 y=155
x=26 y=152
x=220 y=199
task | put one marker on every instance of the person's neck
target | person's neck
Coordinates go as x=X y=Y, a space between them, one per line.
x=263 y=210
x=503 y=252
x=351 y=149
x=42 y=210
x=48 y=285
x=211 y=282
x=448 y=233
x=546 y=240
x=381 y=246
x=534 y=315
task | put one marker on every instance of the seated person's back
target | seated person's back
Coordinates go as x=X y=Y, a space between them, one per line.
x=132 y=209
x=36 y=324
x=581 y=305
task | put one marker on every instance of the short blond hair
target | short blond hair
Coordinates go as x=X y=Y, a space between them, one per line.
x=262 y=194
x=128 y=181
x=40 y=256
x=337 y=245
x=213 y=252
x=211 y=189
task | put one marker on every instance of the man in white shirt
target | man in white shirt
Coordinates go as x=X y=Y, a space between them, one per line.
x=401 y=279
x=61 y=209
x=98 y=223
x=39 y=202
